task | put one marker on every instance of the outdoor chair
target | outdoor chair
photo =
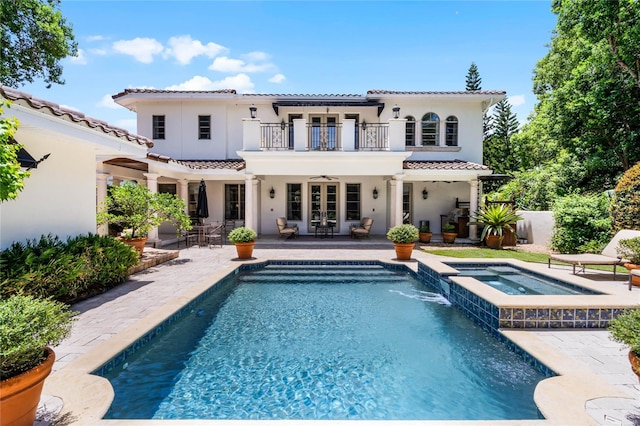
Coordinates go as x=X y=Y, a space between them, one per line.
x=190 y=238
x=362 y=229
x=215 y=236
x=285 y=230
x=609 y=255
x=633 y=273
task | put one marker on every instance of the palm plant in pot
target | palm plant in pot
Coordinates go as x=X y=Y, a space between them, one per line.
x=136 y=210
x=626 y=329
x=629 y=249
x=244 y=240
x=28 y=328
x=404 y=239
x=496 y=219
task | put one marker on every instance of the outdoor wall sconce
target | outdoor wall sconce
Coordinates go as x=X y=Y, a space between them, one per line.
x=272 y=193
x=396 y=111
x=364 y=125
x=283 y=125
x=425 y=194
x=253 y=110
x=375 y=193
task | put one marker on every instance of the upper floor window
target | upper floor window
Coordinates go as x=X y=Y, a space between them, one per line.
x=451 y=132
x=158 y=127
x=430 y=129
x=410 y=131
x=204 y=127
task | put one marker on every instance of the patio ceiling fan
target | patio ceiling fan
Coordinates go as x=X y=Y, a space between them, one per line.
x=323 y=177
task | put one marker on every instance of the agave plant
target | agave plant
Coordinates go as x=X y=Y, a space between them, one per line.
x=496 y=218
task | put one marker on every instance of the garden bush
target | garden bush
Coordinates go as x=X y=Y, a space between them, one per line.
x=582 y=223
x=65 y=271
x=625 y=205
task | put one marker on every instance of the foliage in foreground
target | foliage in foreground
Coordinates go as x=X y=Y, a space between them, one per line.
x=65 y=271
x=12 y=176
x=626 y=329
x=27 y=326
x=582 y=223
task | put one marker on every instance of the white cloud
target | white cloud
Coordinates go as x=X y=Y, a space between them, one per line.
x=142 y=49
x=278 y=78
x=241 y=82
x=184 y=49
x=99 y=52
x=225 y=64
x=107 y=102
x=516 y=100
x=96 y=38
x=256 y=56
x=79 y=59
x=130 y=124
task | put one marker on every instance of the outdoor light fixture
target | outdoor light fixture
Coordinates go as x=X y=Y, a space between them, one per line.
x=425 y=194
x=364 y=125
x=283 y=125
x=396 y=111
x=375 y=193
x=253 y=110
x=272 y=193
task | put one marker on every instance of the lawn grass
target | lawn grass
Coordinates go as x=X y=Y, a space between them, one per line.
x=487 y=253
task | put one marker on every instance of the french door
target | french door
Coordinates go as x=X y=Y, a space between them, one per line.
x=323 y=200
x=323 y=135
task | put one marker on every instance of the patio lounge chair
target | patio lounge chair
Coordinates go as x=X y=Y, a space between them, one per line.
x=285 y=230
x=362 y=229
x=609 y=255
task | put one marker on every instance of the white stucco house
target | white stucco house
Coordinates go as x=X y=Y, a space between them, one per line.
x=393 y=156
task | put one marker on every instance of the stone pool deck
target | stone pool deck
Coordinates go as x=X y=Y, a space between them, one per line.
x=103 y=317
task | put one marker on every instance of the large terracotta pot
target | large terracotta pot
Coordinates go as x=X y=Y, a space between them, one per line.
x=635 y=363
x=136 y=243
x=494 y=241
x=20 y=395
x=404 y=250
x=449 y=237
x=425 y=237
x=245 y=250
x=635 y=280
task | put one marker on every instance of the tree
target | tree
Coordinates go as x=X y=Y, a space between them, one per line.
x=498 y=153
x=35 y=37
x=473 y=78
x=11 y=175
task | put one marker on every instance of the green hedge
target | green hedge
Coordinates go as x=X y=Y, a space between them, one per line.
x=66 y=271
x=582 y=223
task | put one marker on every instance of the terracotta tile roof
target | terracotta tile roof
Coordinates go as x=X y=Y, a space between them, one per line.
x=443 y=165
x=130 y=91
x=73 y=115
x=453 y=92
x=302 y=95
x=236 y=165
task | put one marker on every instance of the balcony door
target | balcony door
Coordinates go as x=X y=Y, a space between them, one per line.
x=323 y=135
x=323 y=199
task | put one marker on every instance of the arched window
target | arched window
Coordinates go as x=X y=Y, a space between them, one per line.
x=451 y=132
x=430 y=129
x=410 y=131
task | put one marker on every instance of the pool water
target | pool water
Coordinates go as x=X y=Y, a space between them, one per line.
x=324 y=342
x=512 y=280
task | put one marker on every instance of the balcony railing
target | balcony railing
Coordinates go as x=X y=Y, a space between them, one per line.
x=326 y=137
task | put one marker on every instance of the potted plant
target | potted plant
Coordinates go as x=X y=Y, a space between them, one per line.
x=244 y=240
x=629 y=249
x=449 y=233
x=495 y=219
x=425 y=234
x=137 y=210
x=29 y=327
x=404 y=239
x=626 y=329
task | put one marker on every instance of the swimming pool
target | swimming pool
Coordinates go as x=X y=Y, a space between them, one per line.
x=327 y=341
x=512 y=280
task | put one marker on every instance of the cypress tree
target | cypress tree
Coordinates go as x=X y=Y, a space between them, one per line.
x=473 y=78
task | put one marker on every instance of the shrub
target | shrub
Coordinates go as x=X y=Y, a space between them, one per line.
x=625 y=205
x=629 y=249
x=403 y=234
x=242 y=235
x=83 y=266
x=27 y=326
x=626 y=329
x=581 y=223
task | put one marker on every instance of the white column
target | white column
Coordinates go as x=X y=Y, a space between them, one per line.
x=396 y=201
x=251 y=134
x=393 y=185
x=473 y=207
x=250 y=201
x=184 y=193
x=348 y=134
x=101 y=195
x=397 y=129
x=152 y=184
x=300 y=136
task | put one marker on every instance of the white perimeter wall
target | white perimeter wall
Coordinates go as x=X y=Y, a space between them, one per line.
x=537 y=227
x=59 y=197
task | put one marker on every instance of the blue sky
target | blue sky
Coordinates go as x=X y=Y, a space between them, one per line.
x=345 y=47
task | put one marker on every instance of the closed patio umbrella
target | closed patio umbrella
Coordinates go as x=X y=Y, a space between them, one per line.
x=202 y=208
